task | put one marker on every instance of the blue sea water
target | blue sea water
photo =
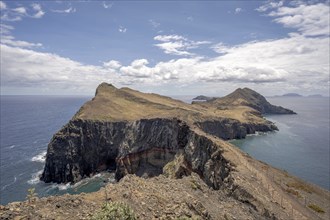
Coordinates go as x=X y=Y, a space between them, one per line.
x=27 y=125
x=29 y=122
x=301 y=146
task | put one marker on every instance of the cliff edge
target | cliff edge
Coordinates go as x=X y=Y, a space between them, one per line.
x=171 y=161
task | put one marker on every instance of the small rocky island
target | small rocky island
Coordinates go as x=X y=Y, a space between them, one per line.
x=172 y=161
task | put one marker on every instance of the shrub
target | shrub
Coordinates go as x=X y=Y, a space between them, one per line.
x=31 y=194
x=114 y=210
x=316 y=208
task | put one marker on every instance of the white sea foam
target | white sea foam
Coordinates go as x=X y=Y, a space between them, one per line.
x=40 y=157
x=64 y=186
x=35 y=178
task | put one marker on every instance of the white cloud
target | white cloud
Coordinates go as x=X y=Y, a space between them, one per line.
x=269 y=5
x=20 y=10
x=177 y=45
x=36 y=7
x=5 y=29
x=310 y=20
x=166 y=38
x=39 y=12
x=293 y=62
x=154 y=23
x=122 y=29
x=220 y=48
x=67 y=11
x=9 y=40
x=107 y=5
x=3 y=5
x=30 y=68
x=112 y=64
x=17 y=14
x=296 y=62
x=238 y=10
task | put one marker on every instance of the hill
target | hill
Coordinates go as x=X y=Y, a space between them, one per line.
x=292 y=95
x=202 y=98
x=248 y=97
x=170 y=160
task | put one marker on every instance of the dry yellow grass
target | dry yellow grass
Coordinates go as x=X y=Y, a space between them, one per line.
x=112 y=104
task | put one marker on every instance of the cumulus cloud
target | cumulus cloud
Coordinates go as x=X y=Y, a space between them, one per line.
x=112 y=64
x=177 y=45
x=22 y=67
x=310 y=20
x=298 y=61
x=17 y=14
x=269 y=5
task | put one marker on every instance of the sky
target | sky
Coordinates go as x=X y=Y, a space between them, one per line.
x=164 y=47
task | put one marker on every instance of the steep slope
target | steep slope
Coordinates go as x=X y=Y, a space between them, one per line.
x=123 y=129
x=188 y=170
x=250 y=98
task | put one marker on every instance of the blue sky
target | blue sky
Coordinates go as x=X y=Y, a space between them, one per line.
x=168 y=47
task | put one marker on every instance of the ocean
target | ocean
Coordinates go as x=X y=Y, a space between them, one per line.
x=301 y=146
x=28 y=123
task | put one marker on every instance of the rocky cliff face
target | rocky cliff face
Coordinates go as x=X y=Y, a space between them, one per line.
x=227 y=129
x=143 y=147
x=143 y=134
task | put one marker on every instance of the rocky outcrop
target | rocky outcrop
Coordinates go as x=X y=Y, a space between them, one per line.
x=138 y=133
x=251 y=98
x=202 y=98
x=227 y=129
x=144 y=147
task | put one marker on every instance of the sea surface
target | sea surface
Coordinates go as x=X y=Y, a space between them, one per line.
x=28 y=123
x=301 y=146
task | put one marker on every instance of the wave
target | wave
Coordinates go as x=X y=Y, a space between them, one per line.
x=257 y=133
x=12 y=146
x=35 y=178
x=77 y=185
x=5 y=186
x=40 y=157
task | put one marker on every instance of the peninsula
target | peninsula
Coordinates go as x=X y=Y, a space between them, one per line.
x=171 y=160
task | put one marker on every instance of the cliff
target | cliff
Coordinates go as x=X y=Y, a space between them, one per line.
x=123 y=130
x=188 y=170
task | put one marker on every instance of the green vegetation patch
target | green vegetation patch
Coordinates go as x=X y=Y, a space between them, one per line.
x=114 y=211
x=300 y=186
x=195 y=185
x=316 y=208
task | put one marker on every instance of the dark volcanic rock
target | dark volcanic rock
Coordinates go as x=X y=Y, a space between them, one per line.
x=203 y=98
x=144 y=147
x=226 y=128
